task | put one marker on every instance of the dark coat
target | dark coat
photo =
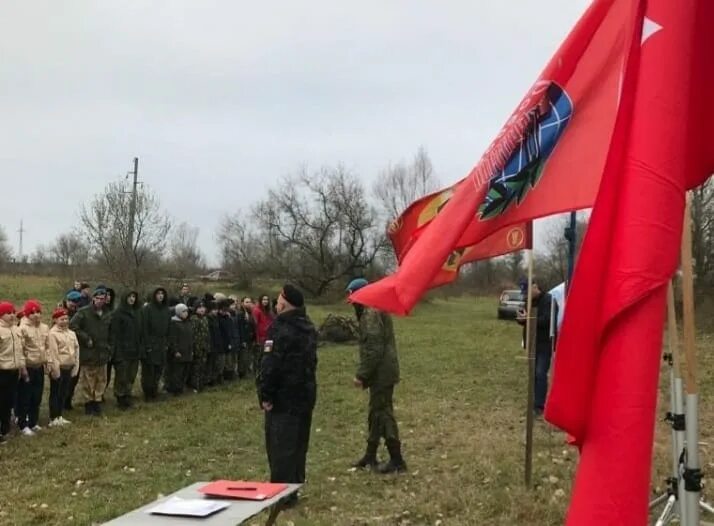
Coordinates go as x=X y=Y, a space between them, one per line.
x=155 y=319
x=125 y=330
x=227 y=330
x=288 y=369
x=93 y=334
x=214 y=330
x=180 y=340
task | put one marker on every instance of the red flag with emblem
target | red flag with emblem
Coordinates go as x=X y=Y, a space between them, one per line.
x=548 y=158
x=609 y=350
x=411 y=224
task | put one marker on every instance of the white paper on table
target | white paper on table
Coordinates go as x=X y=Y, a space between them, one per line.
x=188 y=507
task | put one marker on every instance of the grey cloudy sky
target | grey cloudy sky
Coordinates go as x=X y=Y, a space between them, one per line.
x=219 y=99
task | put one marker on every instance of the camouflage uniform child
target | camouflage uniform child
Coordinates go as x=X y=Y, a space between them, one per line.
x=201 y=347
x=379 y=372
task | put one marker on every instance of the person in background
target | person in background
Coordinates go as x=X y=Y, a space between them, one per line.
x=71 y=305
x=543 y=344
x=12 y=364
x=185 y=296
x=180 y=350
x=214 y=363
x=263 y=316
x=110 y=307
x=378 y=372
x=155 y=319
x=91 y=324
x=62 y=364
x=287 y=388
x=35 y=342
x=126 y=346
x=250 y=354
x=85 y=296
x=201 y=346
x=225 y=325
x=230 y=367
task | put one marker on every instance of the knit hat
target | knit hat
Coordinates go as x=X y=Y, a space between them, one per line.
x=74 y=296
x=31 y=307
x=99 y=291
x=58 y=313
x=219 y=296
x=357 y=284
x=180 y=309
x=6 y=308
x=293 y=296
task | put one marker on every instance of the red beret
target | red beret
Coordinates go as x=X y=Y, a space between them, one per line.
x=31 y=307
x=58 y=313
x=6 y=308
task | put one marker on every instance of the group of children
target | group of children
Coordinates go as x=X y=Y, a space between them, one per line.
x=187 y=342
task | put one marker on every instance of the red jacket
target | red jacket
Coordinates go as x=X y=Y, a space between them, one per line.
x=263 y=321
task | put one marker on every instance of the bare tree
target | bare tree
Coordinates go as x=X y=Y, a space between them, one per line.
x=243 y=253
x=400 y=185
x=316 y=229
x=5 y=251
x=106 y=226
x=184 y=255
x=514 y=265
x=69 y=249
x=552 y=267
x=703 y=231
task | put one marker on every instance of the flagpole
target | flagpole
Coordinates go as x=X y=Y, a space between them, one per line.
x=692 y=473
x=530 y=349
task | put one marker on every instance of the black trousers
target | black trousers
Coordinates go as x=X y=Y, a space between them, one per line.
x=58 y=392
x=287 y=438
x=29 y=397
x=70 y=393
x=8 y=384
x=150 y=376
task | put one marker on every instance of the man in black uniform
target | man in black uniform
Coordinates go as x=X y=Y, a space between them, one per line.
x=287 y=388
x=543 y=344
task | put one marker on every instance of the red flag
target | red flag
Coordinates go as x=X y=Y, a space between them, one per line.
x=411 y=224
x=609 y=350
x=547 y=159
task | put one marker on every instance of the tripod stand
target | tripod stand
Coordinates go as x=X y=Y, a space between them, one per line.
x=684 y=486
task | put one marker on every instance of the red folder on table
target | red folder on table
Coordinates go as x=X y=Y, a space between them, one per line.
x=232 y=489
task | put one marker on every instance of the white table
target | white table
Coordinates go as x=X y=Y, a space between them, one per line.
x=238 y=512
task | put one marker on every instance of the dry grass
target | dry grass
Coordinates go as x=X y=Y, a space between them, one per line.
x=460 y=408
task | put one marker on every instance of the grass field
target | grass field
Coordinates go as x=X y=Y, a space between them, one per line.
x=460 y=408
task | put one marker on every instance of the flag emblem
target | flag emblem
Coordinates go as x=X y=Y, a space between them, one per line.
x=526 y=147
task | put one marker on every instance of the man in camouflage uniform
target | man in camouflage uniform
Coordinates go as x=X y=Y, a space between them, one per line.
x=379 y=372
x=201 y=346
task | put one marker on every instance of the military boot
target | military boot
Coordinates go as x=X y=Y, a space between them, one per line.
x=369 y=460
x=89 y=408
x=396 y=463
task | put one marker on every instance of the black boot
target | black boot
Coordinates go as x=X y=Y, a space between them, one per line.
x=369 y=460
x=123 y=403
x=96 y=409
x=89 y=408
x=396 y=463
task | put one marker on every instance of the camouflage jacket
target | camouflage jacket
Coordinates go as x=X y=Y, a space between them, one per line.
x=379 y=363
x=201 y=336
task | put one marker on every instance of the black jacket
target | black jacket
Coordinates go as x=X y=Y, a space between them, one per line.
x=246 y=327
x=125 y=330
x=288 y=370
x=180 y=340
x=227 y=330
x=214 y=330
x=543 y=341
x=155 y=319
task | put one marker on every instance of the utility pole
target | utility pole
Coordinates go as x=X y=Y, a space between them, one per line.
x=571 y=236
x=132 y=207
x=19 y=250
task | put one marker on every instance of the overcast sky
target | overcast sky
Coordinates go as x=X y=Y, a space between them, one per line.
x=219 y=99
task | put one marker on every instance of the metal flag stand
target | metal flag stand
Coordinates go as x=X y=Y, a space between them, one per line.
x=683 y=496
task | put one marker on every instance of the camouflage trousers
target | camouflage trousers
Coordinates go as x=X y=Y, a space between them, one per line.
x=197 y=374
x=381 y=422
x=93 y=382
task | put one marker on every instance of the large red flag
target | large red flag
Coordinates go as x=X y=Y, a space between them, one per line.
x=411 y=224
x=548 y=158
x=609 y=350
